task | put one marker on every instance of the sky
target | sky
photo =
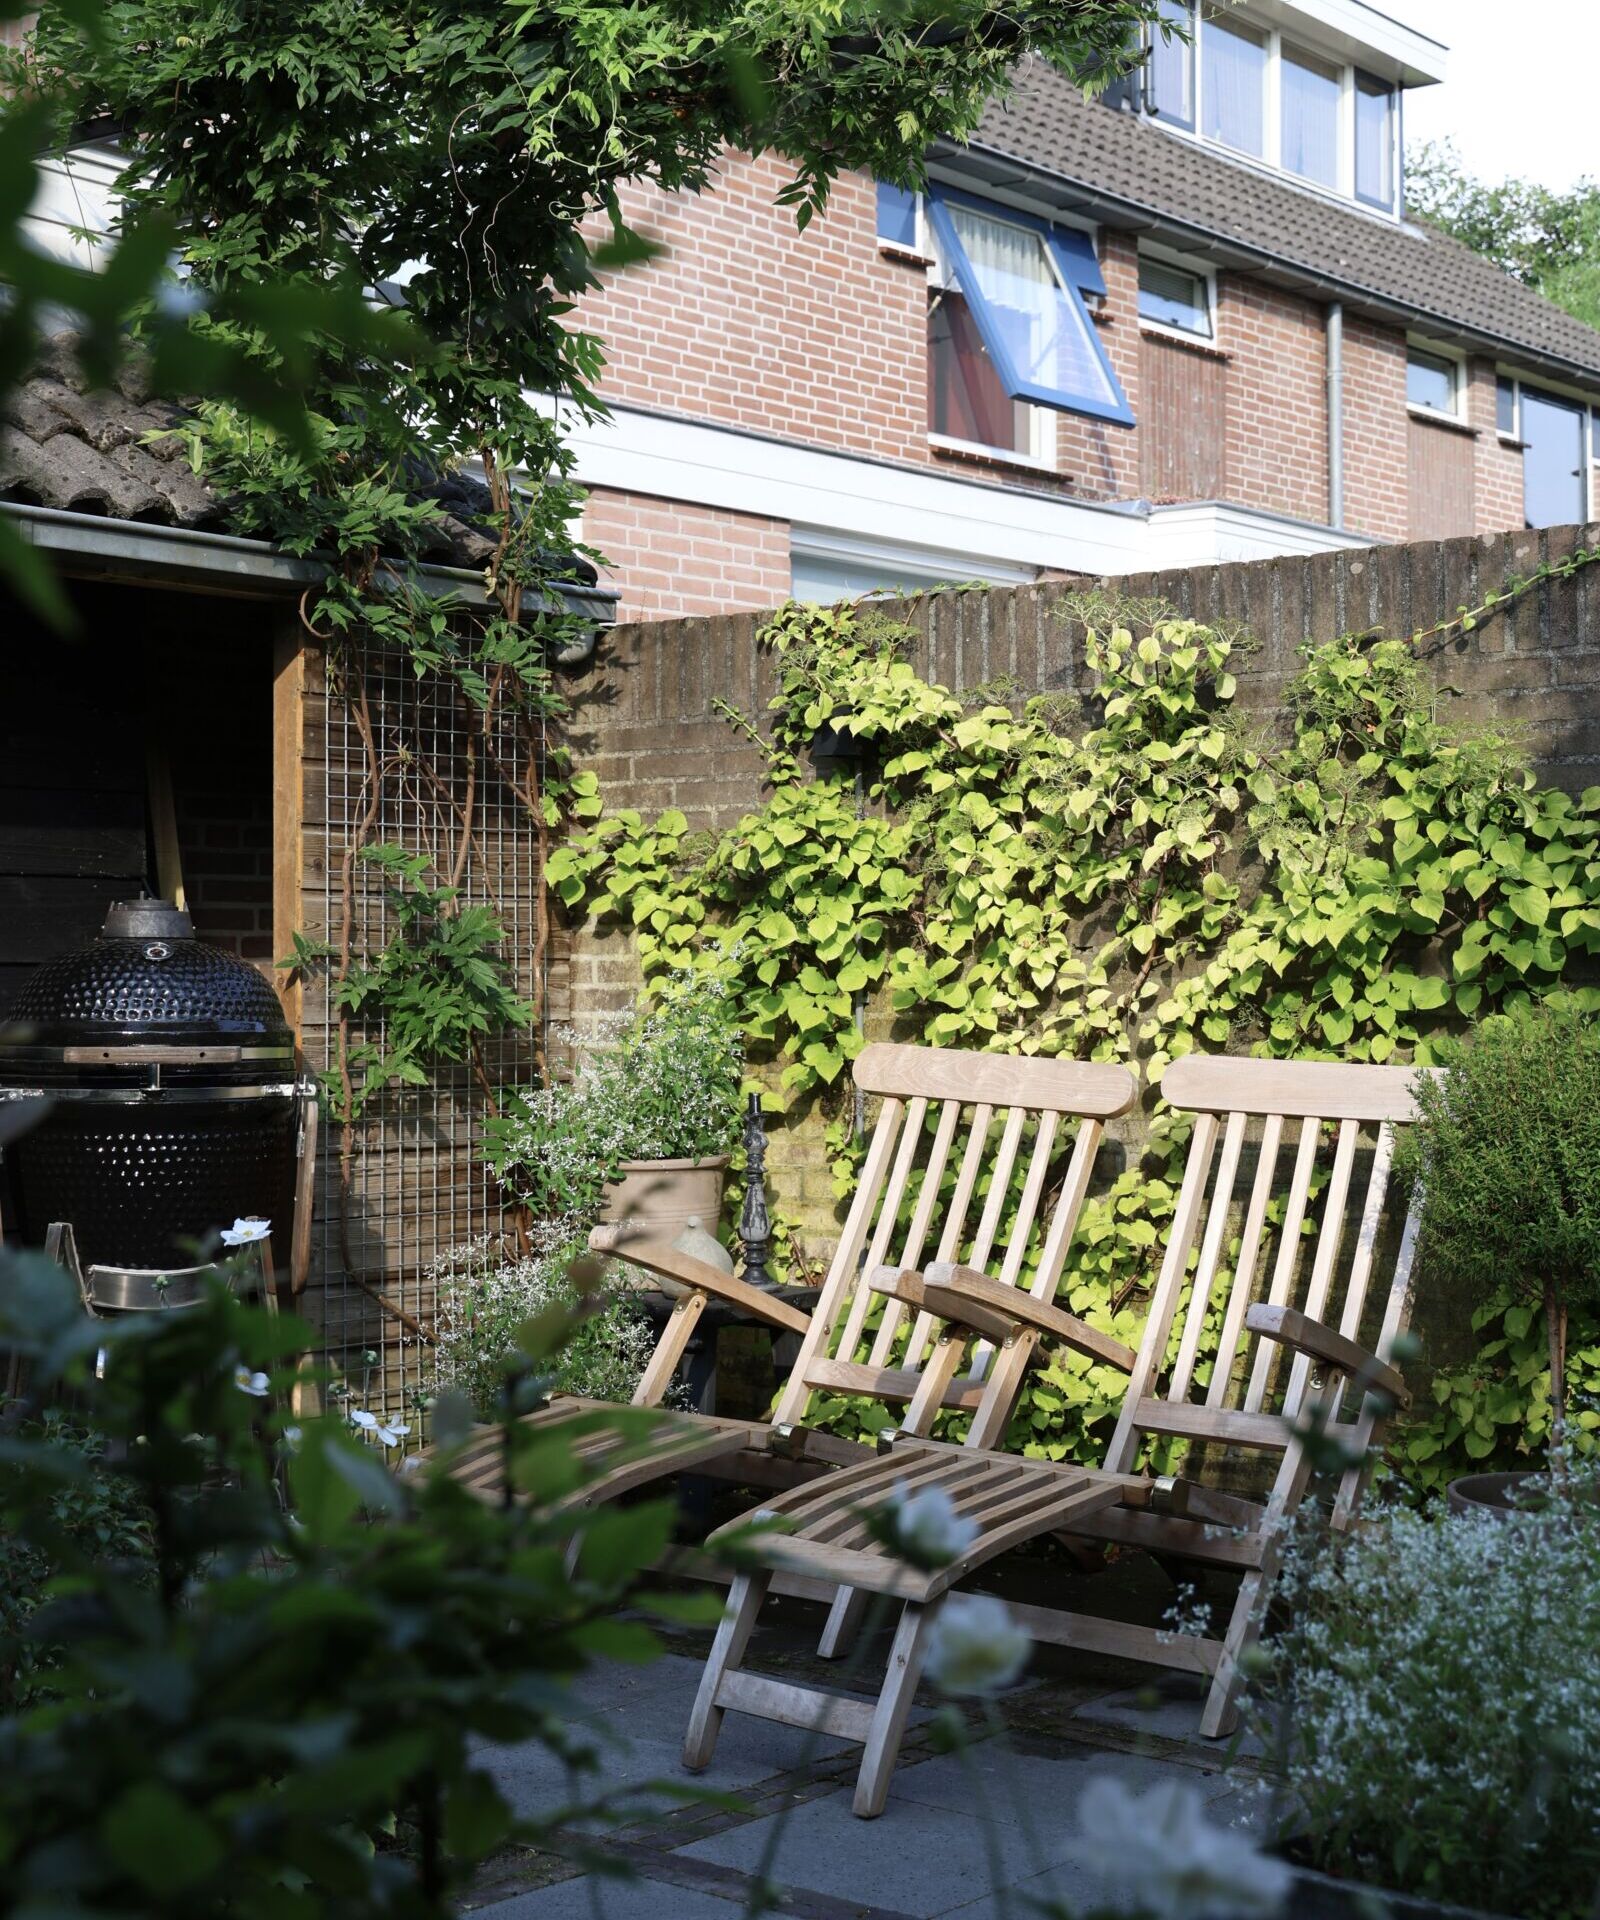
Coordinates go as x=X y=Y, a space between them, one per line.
x=1517 y=98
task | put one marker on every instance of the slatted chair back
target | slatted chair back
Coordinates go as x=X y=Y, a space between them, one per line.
x=1336 y=1257
x=981 y=1159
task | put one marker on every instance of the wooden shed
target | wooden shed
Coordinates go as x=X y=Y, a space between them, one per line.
x=191 y=734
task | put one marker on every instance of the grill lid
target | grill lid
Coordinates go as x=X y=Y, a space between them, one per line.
x=147 y=978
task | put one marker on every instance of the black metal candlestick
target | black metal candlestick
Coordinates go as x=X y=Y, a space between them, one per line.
x=755 y=1223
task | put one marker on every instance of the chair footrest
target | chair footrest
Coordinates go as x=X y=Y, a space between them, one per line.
x=809 y=1708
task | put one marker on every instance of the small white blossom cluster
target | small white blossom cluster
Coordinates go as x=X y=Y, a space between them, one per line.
x=1442 y=1717
x=661 y=1083
x=484 y=1293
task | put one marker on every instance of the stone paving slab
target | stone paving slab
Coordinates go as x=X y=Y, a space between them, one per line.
x=932 y=1853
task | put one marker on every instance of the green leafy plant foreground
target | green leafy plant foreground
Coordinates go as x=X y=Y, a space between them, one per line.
x=1136 y=875
x=282 y=1709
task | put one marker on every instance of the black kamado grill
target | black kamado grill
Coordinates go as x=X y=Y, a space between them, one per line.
x=174 y=1106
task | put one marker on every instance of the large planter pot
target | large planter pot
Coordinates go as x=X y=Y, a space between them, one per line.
x=662 y=1196
x=1496 y=1493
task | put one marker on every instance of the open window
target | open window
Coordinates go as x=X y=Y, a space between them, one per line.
x=1009 y=323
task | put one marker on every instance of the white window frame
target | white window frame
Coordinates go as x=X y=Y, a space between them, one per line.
x=1271 y=160
x=916 y=569
x=1198 y=269
x=1456 y=415
x=1579 y=396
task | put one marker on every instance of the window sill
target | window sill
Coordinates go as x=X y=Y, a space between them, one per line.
x=1175 y=336
x=1452 y=422
x=944 y=449
x=904 y=256
x=1511 y=443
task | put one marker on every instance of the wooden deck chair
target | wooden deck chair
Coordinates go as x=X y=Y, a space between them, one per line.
x=931 y=1097
x=1256 y=1392
x=1004 y=1235
x=1311 y=1300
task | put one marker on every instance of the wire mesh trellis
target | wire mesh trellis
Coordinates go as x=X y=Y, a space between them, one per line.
x=417 y=1181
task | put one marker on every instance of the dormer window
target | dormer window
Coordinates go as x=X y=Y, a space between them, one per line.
x=1269 y=98
x=1375 y=142
x=1233 y=83
x=1313 y=96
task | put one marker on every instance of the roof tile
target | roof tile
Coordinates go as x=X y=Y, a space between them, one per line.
x=1048 y=124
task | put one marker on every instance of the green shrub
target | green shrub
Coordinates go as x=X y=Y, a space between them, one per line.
x=662 y=1084
x=1507 y=1151
x=1440 y=1722
x=288 y=1715
x=487 y=1294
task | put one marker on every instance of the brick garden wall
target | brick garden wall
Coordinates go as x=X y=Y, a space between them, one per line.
x=642 y=711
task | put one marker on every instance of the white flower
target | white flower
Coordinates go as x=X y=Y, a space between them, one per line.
x=1165 y=1859
x=255 y=1384
x=245 y=1233
x=387 y=1432
x=925 y=1526
x=974 y=1646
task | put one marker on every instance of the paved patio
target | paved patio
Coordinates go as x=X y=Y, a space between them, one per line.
x=1003 y=1814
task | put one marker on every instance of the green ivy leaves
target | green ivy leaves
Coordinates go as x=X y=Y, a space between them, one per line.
x=1162 y=879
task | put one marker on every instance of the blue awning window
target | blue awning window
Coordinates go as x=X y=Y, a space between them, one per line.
x=1024 y=280
x=897 y=215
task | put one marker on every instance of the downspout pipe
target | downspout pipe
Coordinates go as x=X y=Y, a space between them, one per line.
x=1335 y=326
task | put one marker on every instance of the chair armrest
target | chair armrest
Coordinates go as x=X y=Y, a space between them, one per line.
x=655 y=1256
x=990 y=1307
x=1310 y=1337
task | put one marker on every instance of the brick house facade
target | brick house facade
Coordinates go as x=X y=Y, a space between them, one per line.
x=771 y=387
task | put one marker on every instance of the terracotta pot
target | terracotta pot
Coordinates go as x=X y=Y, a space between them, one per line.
x=663 y=1195
x=1496 y=1493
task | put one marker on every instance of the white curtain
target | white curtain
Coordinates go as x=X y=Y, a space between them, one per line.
x=1042 y=330
x=1234 y=87
x=1310 y=120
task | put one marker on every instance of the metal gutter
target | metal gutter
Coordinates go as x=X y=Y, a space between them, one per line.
x=1335 y=332
x=93 y=546
x=1114 y=210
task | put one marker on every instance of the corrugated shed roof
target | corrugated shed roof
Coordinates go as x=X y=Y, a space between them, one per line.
x=1448 y=289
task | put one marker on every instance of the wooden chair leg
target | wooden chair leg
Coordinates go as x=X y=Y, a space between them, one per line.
x=849 y=1609
x=727 y=1654
x=1221 y=1713
x=893 y=1709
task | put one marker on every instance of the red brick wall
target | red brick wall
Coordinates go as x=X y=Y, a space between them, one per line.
x=1183 y=435
x=1497 y=463
x=1440 y=463
x=1375 y=452
x=671 y=558
x=816 y=336
x=1277 y=398
x=819 y=338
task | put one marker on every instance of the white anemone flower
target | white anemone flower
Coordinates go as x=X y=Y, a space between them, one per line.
x=974 y=1646
x=245 y=1233
x=255 y=1384
x=1165 y=1859
x=391 y=1432
x=926 y=1527
x=367 y=1422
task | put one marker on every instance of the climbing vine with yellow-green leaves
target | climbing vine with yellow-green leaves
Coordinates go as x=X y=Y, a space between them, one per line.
x=1132 y=876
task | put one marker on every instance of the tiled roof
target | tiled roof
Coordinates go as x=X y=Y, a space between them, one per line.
x=1192 y=189
x=63 y=445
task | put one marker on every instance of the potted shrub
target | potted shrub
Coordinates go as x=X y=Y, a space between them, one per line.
x=645 y=1127
x=1507 y=1150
